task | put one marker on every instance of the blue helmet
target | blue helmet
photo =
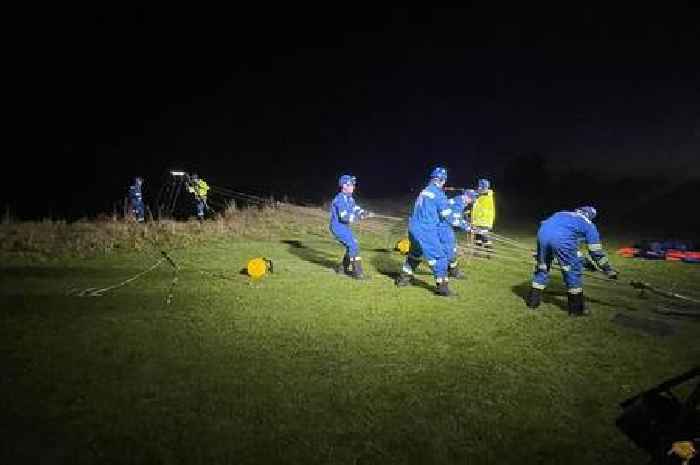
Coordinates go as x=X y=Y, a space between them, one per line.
x=439 y=173
x=347 y=179
x=470 y=194
x=484 y=185
x=588 y=212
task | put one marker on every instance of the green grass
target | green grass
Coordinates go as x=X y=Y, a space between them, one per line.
x=305 y=366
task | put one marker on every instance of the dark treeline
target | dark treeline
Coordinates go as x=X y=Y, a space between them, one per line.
x=528 y=190
x=653 y=205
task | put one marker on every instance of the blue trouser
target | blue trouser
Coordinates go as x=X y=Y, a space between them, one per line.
x=426 y=242
x=567 y=256
x=343 y=234
x=449 y=242
x=138 y=209
x=200 y=207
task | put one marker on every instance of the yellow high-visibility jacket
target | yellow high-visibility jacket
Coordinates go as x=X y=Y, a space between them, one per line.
x=200 y=188
x=484 y=211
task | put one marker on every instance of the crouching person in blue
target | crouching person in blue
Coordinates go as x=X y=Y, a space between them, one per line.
x=136 y=200
x=558 y=237
x=345 y=212
x=431 y=209
x=446 y=232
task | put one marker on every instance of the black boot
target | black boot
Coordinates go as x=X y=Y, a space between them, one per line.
x=357 y=272
x=576 y=305
x=443 y=289
x=344 y=267
x=406 y=278
x=455 y=272
x=534 y=298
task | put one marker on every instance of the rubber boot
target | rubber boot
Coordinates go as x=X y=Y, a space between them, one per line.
x=455 y=272
x=344 y=266
x=443 y=289
x=406 y=279
x=534 y=298
x=357 y=272
x=576 y=305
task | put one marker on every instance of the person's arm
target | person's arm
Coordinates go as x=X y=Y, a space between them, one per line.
x=443 y=207
x=359 y=212
x=595 y=250
x=342 y=212
x=457 y=218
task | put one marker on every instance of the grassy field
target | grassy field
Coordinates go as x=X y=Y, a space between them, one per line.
x=305 y=366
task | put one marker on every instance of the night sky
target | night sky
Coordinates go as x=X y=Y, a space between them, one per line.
x=285 y=100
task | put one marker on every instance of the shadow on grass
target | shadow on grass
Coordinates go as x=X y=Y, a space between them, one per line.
x=559 y=299
x=389 y=266
x=56 y=272
x=308 y=254
x=523 y=289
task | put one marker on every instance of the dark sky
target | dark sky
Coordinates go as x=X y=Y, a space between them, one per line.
x=287 y=99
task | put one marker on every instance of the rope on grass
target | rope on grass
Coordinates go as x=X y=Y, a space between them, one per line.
x=100 y=292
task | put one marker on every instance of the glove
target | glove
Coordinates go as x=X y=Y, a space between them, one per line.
x=588 y=264
x=466 y=228
x=365 y=214
x=610 y=273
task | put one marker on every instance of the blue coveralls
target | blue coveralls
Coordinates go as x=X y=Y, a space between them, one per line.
x=447 y=225
x=431 y=208
x=136 y=201
x=344 y=212
x=558 y=237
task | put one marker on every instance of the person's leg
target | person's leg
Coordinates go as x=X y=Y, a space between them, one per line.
x=449 y=246
x=434 y=253
x=540 y=277
x=487 y=242
x=355 y=259
x=411 y=263
x=572 y=272
x=140 y=212
x=342 y=234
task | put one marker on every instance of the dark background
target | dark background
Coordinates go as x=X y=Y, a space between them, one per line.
x=558 y=107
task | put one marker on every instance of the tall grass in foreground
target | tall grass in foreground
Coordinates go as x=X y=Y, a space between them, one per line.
x=108 y=234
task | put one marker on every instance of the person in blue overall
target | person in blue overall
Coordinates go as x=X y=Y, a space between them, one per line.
x=136 y=200
x=430 y=209
x=456 y=220
x=559 y=237
x=344 y=212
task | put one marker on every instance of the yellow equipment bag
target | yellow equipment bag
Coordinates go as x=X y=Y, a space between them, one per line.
x=403 y=246
x=484 y=211
x=257 y=267
x=685 y=450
